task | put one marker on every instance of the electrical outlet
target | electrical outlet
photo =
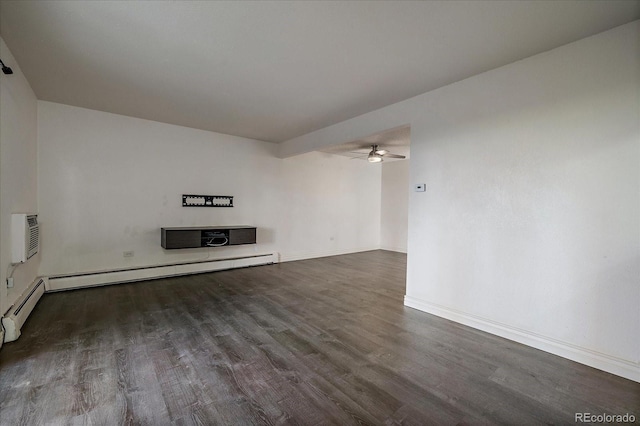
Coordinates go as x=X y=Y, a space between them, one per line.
x=128 y=253
x=10 y=282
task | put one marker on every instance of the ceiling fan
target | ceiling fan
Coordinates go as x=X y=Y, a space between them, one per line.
x=375 y=155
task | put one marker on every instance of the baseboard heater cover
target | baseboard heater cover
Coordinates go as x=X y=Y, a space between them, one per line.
x=118 y=276
x=20 y=311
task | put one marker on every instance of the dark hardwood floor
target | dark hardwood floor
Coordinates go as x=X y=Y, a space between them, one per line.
x=322 y=341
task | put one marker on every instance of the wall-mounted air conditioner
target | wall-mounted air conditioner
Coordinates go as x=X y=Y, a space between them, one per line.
x=25 y=236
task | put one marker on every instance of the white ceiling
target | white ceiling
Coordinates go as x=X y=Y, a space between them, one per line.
x=277 y=70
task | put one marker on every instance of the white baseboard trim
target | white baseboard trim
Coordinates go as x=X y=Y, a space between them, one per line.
x=614 y=365
x=293 y=256
x=396 y=249
x=98 y=278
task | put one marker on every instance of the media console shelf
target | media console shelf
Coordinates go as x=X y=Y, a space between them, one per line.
x=207 y=236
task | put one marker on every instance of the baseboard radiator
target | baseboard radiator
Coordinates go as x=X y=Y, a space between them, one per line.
x=19 y=312
x=117 y=276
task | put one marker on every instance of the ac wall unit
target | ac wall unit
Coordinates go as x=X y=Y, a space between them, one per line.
x=25 y=236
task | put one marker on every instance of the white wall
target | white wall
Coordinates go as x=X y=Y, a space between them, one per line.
x=108 y=183
x=18 y=162
x=532 y=220
x=394 y=204
x=329 y=206
x=530 y=227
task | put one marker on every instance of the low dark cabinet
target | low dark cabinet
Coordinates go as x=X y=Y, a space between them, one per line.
x=207 y=236
x=242 y=236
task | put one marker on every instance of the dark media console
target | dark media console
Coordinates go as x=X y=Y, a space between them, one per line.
x=207 y=236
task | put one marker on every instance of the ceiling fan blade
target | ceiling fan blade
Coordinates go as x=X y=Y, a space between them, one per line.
x=394 y=155
x=382 y=152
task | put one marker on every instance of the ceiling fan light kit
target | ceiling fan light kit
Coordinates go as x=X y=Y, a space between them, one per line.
x=375 y=156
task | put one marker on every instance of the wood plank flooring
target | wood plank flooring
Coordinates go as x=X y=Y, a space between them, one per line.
x=314 y=342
